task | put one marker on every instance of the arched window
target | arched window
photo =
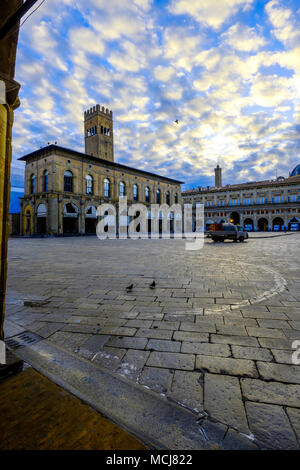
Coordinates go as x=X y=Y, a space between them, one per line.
x=68 y=181
x=46 y=181
x=89 y=184
x=158 y=196
x=122 y=189
x=176 y=198
x=168 y=198
x=147 y=194
x=106 y=187
x=135 y=192
x=32 y=184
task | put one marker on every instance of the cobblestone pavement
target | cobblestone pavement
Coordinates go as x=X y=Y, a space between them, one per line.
x=215 y=334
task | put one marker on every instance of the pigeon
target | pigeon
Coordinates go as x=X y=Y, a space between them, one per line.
x=129 y=288
x=176 y=120
x=152 y=285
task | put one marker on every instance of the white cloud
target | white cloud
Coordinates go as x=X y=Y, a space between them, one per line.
x=243 y=38
x=284 y=22
x=43 y=41
x=180 y=45
x=131 y=59
x=86 y=40
x=212 y=13
x=271 y=90
x=163 y=73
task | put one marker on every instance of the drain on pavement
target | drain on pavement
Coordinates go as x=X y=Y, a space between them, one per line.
x=22 y=339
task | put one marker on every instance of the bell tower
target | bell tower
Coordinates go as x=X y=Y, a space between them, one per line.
x=98 y=133
x=218 y=177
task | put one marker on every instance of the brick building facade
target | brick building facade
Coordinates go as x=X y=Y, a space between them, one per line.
x=63 y=187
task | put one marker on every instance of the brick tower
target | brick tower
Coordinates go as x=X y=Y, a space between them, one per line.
x=218 y=177
x=98 y=133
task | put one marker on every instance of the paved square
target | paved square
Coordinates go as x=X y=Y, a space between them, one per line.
x=214 y=336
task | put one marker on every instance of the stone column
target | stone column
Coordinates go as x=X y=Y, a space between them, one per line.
x=8 y=103
x=6 y=123
x=81 y=218
x=52 y=215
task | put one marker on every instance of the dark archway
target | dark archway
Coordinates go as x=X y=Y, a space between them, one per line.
x=90 y=220
x=294 y=224
x=235 y=218
x=70 y=219
x=70 y=225
x=41 y=226
x=90 y=226
x=278 y=224
x=262 y=224
x=41 y=220
x=248 y=225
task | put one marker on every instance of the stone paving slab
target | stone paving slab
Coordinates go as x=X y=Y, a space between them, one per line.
x=227 y=365
x=187 y=389
x=280 y=372
x=223 y=401
x=172 y=360
x=271 y=392
x=207 y=349
x=271 y=426
x=164 y=345
x=234 y=324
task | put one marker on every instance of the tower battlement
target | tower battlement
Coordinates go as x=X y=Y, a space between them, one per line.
x=98 y=132
x=98 y=110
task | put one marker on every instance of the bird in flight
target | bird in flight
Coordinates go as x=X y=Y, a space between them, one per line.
x=129 y=288
x=176 y=120
x=152 y=285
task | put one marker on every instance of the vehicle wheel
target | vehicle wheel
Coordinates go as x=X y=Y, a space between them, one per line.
x=242 y=239
x=235 y=240
x=214 y=239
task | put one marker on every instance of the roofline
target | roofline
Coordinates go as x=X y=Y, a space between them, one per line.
x=49 y=148
x=237 y=187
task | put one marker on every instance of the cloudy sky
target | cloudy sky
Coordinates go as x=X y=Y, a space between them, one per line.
x=228 y=70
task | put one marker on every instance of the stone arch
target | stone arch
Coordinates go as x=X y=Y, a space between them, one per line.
x=70 y=209
x=248 y=224
x=90 y=219
x=41 y=210
x=235 y=218
x=294 y=223
x=262 y=224
x=208 y=223
x=70 y=218
x=41 y=219
x=278 y=224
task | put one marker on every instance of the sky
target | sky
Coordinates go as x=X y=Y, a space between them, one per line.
x=227 y=70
